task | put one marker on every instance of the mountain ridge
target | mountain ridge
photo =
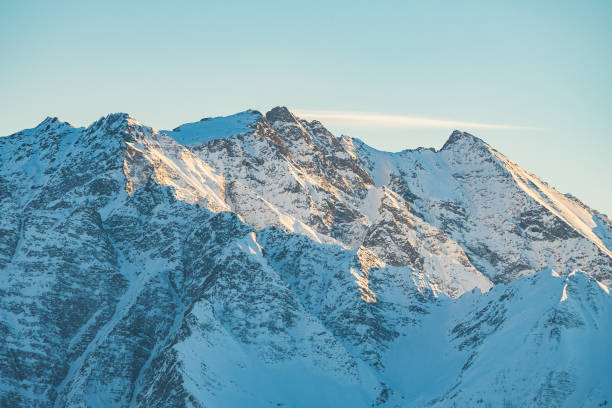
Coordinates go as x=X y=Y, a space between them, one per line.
x=276 y=112
x=139 y=271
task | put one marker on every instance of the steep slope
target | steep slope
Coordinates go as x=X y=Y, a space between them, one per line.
x=108 y=268
x=560 y=358
x=56 y=177
x=508 y=221
x=538 y=341
x=296 y=175
x=154 y=155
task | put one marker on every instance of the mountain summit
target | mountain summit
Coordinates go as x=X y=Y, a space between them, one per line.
x=259 y=260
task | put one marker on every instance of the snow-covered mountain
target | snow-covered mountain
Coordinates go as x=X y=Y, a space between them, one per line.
x=258 y=260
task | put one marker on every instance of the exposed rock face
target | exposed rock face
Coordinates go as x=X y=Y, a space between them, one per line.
x=257 y=260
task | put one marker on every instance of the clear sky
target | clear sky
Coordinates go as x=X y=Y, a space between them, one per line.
x=395 y=74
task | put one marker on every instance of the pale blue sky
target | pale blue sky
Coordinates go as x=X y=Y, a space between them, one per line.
x=544 y=65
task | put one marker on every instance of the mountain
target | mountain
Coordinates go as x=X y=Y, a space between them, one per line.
x=258 y=260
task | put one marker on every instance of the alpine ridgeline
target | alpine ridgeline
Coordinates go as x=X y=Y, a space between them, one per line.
x=260 y=261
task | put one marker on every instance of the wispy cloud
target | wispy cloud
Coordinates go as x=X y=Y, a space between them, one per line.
x=380 y=119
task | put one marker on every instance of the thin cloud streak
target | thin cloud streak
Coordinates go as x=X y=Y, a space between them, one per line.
x=379 y=119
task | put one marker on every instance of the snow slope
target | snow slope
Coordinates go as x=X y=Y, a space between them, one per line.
x=220 y=127
x=508 y=221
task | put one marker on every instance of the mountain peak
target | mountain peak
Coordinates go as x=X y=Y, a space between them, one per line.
x=280 y=114
x=47 y=121
x=457 y=137
x=51 y=123
x=113 y=123
x=113 y=119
